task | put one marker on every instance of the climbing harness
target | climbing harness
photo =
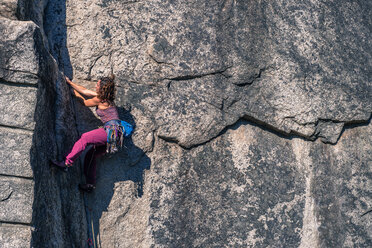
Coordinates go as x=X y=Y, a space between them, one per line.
x=116 y=131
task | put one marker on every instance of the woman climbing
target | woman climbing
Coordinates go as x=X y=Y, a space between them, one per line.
x=106 y=139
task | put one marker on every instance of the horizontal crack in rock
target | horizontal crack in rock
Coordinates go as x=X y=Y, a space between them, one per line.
x=15 y=223
x=189 y=77
x=14 y=128
x=14 y=70
x=16 y=84
x=263 y=125
x=15 y=176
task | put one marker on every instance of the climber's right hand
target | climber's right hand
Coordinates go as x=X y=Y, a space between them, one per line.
x=68 y=80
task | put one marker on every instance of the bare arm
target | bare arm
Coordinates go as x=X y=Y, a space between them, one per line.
x=81 y=89
x=90 y=102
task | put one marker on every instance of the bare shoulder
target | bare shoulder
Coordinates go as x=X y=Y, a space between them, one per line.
x=92 y=102
x=103 y=105
x=96 y=100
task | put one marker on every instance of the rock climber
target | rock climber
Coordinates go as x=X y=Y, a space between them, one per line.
x=103 y=140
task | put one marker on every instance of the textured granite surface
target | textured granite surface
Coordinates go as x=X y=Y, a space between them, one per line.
x=252 y=123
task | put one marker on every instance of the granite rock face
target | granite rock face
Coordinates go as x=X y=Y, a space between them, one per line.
x=292 y=66
x=296 y=194
x=252 y=123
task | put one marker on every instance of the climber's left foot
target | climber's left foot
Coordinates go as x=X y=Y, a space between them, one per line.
x=59 y=164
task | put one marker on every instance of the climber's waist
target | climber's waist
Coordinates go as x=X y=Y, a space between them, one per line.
x=111 y=122
x=124 y=126
x=116 y=131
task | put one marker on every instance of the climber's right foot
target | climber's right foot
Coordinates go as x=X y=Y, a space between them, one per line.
x=59 y=164
x=86 y=187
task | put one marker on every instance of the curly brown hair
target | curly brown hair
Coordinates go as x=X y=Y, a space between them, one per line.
x=106 y=92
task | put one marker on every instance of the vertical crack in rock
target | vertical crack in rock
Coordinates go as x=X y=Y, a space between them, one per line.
x=91 y=67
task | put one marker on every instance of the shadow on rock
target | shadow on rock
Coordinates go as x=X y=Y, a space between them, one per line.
x=119 y=177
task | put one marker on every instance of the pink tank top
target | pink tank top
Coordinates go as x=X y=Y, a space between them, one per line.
x=111 y=113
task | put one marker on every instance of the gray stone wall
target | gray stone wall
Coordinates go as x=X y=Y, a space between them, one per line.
x=252 y=123
x=18 y=98
x=263 y=191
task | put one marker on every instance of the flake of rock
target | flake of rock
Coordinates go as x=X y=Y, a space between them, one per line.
x=18 y=56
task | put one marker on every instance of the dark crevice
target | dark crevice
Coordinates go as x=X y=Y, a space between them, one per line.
x=353 y=124
x=8 y=197
x=30 y=131
x=91 y=67
x=14 y=84
x=168 y=85
x=267 y=127
x=195 y=76
x=316 y=134
x=367 y=212
x=13 y=70
x=160 y=62
x=15 y=176
x=253 y=78
x=63 y=225
x=293 y=118
x=170 y=140
x=253 y=122
x=15 y=223
x=338 y=121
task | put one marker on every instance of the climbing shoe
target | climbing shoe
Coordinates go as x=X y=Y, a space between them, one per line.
x=86 y=187
x=59 y=164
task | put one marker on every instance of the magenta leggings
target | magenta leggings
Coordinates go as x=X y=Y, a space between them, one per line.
x=98 y=139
